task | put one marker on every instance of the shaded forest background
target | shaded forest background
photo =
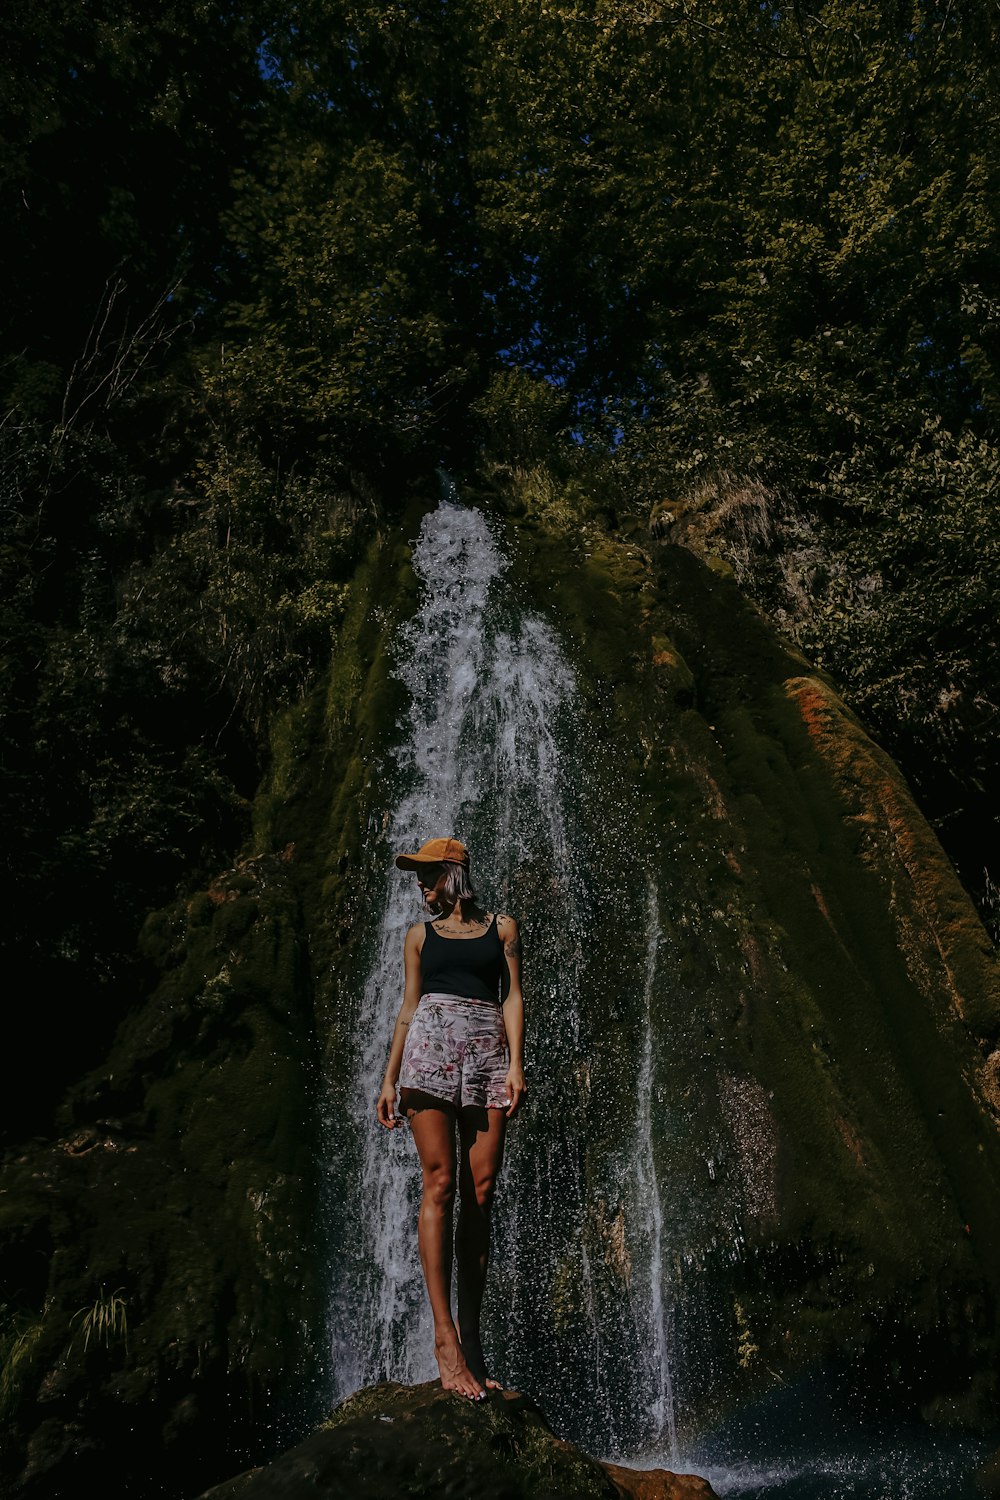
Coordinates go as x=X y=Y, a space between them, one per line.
x=730 y=269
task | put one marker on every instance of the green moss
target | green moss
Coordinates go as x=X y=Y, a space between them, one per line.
x=184 y=1187
x=424 y=1442
x=351 y=727
x=825 y=978
x=20 y=1336
x=822 y=949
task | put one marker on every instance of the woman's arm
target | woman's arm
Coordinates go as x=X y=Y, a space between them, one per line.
x=385 y=1108
x=513 y=1012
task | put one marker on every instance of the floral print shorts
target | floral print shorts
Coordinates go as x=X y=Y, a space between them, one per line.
x=456 y=1049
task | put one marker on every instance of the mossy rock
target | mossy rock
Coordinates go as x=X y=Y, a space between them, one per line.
x=182 y=1186
x=830 y=1021
x=160 y=1246
x=829 y=983
x=424 y=1443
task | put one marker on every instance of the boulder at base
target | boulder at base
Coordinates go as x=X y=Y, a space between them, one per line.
x=422 y=1443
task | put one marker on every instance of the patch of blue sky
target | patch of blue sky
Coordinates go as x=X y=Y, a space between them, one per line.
x=270 y=69
x=533 y=353
x=944 y=369
x=268 y=65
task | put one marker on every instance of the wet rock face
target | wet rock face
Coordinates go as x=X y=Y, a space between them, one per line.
x=160 y=1317
x=422 y=1442
x=825 y=1012
x=155 y=1255
x=824 y=1067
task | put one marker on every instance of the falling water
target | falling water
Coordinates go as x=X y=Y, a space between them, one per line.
x=625 y=1189
x=648 y=1210
x=495 y=751
x=488 y=688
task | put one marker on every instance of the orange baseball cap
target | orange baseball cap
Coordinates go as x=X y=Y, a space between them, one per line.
x=434 y=852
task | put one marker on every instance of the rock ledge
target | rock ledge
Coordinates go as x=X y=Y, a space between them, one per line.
x=421 y=1443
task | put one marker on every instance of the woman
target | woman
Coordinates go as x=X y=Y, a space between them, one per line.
x=456 y=1052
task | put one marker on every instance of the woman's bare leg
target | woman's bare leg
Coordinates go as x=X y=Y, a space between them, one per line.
x=481 y=1134
x=433 y=1127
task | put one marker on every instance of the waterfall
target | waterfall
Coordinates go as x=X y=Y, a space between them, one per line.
x=495 y=750
x=648 y=1211
x=643 y=1149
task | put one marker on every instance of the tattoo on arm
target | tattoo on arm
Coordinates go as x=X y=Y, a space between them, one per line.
x=512 y=944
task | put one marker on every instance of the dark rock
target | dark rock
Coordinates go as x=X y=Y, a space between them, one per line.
x=658 y=1484
x=150 y=1255
x=988 y=1477
x=829 y=1041
x=421 y=1442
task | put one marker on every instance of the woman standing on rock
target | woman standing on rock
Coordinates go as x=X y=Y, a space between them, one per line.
x=456 y=1053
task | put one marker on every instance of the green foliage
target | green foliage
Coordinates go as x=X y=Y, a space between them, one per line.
x=20 y=1334
x=121 y=125
x=346 y=338
x=521 y=415
x=106 y=1320
x=270 y=267
x=879 y=559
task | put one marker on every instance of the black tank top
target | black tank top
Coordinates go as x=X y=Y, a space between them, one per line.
x=473 y=967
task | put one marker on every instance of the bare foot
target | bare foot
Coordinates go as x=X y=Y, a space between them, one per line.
x=476 y=1361
x=455 y=1372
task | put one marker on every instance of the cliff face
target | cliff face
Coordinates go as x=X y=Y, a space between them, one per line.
x=821 y=1062
x=164 y=1308
x=157 y=1252
x=829 y=1028
x=834 y=1026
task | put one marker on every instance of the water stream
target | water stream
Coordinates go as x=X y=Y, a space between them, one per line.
x=597 y=1304
x=654 y=1308
x=494 y=750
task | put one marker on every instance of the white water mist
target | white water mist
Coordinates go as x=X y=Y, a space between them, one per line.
x=494 y=750
x=477 y=758
x=652 y=1306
